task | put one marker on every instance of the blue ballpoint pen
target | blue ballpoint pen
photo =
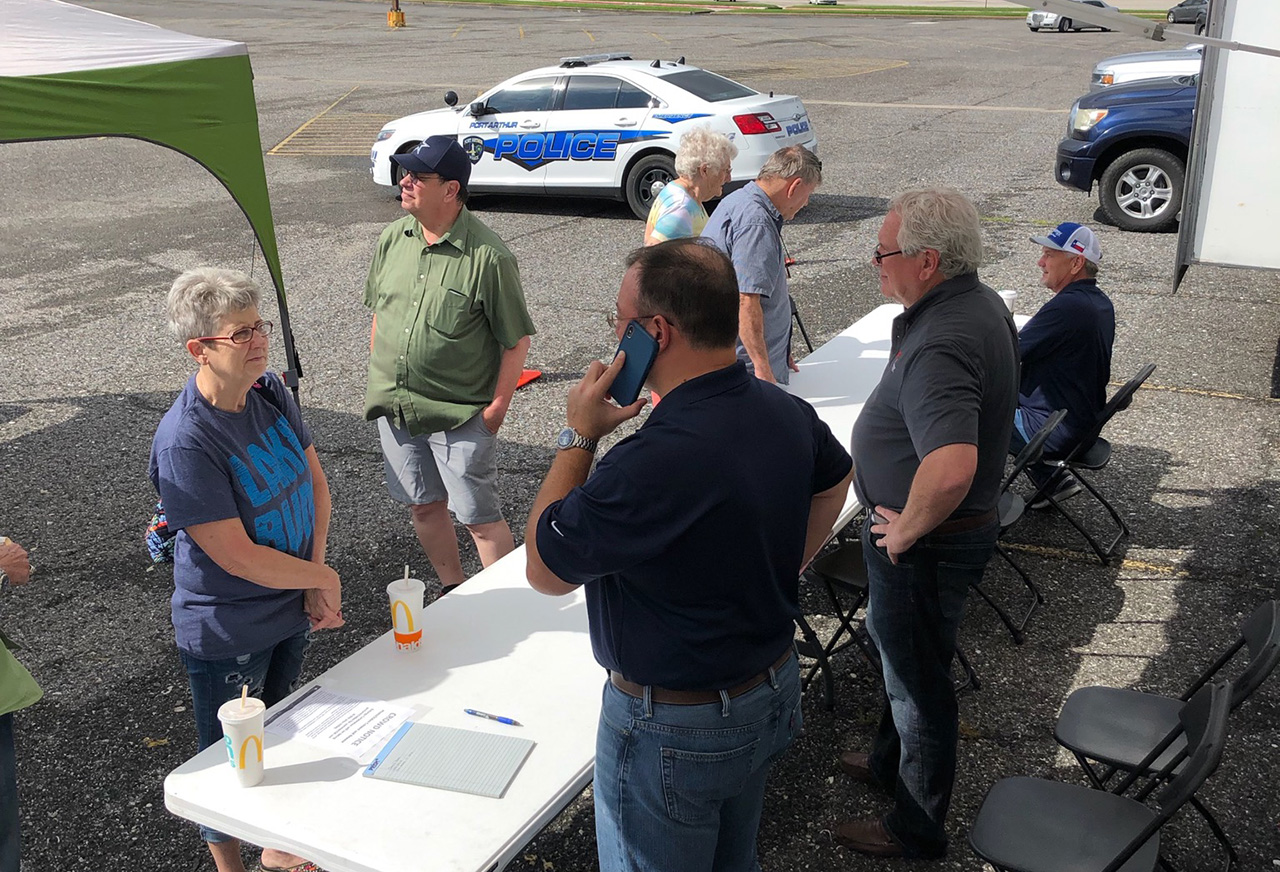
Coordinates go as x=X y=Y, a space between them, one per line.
x=497 y=718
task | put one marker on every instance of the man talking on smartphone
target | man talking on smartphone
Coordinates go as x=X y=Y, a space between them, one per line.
x=689 y=537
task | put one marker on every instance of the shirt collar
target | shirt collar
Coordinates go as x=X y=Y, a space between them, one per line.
x=754 y=190
x=945 y=290
x=707 y=385
x=456 y=235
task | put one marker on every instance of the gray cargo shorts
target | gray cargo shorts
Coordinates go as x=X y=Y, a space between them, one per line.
x=460 y=465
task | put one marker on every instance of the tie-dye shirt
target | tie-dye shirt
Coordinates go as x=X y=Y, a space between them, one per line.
x=674 y=215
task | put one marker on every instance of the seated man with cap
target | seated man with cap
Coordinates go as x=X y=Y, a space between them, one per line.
x=1065 y=349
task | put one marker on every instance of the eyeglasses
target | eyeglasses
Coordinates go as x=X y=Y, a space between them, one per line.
x=612 y=319
x=421 y=178
x=878 y=256
x=244 y=334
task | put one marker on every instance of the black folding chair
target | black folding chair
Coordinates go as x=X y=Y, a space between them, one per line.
x=1117 y=728
x=1034 y=825
x=1093 y=452
x=1011 y=509
x=842 y=572
x=795 y=313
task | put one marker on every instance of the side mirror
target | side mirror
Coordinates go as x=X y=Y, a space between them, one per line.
x=477 y=109
x=450 y=98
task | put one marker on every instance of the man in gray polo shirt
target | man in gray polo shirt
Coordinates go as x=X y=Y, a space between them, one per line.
x=747 y=226
x=928 y=452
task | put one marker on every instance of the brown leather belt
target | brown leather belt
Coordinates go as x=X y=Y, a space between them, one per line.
x=696 y=697
x=964 y=525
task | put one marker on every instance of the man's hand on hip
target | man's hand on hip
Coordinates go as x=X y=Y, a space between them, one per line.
x=893 y=539
x=494 y=414
x=590 y=411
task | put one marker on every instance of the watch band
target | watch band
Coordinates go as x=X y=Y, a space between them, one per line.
x=571 y=438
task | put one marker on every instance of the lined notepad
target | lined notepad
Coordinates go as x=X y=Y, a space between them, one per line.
x=466 y=761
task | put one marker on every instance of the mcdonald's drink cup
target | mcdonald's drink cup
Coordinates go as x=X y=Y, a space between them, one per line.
x=242 y=728
x=406 y=595
x=1009 y=297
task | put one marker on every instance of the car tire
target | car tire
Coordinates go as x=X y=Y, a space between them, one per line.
x=1064 y=24
x=1201 y=26
x=1142 y=190
x=397 y=171
x=1033 y=29
x=1169 y=18
x=646 y=177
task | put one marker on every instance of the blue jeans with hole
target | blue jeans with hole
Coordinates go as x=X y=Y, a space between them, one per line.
x=271 y=674
x=913 y=613
x=682 y=786
x=9 y=843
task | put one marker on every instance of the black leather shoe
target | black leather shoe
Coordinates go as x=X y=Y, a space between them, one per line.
x=867 y=837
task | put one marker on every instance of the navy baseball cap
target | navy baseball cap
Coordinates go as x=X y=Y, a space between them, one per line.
x=440 y=155
x=1073 y=239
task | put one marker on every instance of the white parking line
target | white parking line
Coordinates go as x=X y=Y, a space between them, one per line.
x=933 y=106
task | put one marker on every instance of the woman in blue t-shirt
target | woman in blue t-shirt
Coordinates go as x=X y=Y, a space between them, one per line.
x=243 y=489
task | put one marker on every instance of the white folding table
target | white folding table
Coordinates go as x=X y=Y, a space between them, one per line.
x=495 y=645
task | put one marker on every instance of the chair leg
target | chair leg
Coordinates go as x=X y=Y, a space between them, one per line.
x=811 y=646
x=971 y=676
x=1233 y=859
x=1103 y=556
x=1121 y=526
x=1014 y=630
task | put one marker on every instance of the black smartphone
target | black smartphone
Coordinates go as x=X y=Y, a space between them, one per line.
x=641 y=349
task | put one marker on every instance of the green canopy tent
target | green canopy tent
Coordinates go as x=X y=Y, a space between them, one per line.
x=67 y=72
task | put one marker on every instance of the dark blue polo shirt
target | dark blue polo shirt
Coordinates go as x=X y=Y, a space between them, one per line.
x=1066 y=361
x=690 y=532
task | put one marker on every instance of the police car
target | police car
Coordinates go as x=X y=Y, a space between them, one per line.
x=599 y=126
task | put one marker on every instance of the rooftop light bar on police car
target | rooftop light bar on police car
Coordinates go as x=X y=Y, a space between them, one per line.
x=585 y=60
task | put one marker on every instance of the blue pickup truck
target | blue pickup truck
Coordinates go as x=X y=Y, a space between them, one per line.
x=1133 y=141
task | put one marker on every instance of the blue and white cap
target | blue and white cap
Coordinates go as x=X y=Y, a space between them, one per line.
x=1073 y=239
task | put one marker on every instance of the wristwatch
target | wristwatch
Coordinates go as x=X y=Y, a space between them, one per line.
x=571 y=438
x=4 y=579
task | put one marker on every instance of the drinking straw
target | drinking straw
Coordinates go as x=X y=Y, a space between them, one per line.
x=244 y=697
x=405 y=584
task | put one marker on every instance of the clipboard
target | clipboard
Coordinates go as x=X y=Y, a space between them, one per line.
x=447 y=758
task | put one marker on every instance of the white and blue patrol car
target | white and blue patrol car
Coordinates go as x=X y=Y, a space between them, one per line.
x=599 y=126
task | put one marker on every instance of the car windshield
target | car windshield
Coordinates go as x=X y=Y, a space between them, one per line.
x=708 y=86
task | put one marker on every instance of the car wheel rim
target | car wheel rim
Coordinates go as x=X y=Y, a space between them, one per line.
x=651 y=183
x=1144 y=191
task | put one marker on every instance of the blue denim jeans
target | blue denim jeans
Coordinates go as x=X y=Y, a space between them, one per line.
x=271 y=675
x=682 y=786
x=913 y=613
x=9 y=843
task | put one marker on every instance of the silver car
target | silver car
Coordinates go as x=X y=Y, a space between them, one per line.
x=1135 y=67
x=1040 y=20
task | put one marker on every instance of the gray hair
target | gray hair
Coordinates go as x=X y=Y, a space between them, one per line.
x=944 y=220
x=1091 y=268
x=202 y=298
x=792 y=162
x=702 y=145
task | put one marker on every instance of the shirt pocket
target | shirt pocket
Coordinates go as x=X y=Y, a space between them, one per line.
x=449 y=312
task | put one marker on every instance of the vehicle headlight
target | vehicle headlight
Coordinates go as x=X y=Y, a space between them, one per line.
x=1106 y=77
x=385 y=133
x=1085 y=119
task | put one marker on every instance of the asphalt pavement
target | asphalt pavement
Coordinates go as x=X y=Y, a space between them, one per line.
x=92 y=232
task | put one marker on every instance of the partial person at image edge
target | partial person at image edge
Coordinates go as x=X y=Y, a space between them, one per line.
x=18 y=690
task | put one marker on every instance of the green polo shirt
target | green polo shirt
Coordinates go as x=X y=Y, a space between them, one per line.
x=446 y=312
x=17 y=688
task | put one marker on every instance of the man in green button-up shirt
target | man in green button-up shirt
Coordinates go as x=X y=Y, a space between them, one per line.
x=449 y=340
x=17 y=691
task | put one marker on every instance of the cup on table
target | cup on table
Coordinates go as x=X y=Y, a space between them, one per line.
x=1008 y=297
x=407 y=601
x=242 y=731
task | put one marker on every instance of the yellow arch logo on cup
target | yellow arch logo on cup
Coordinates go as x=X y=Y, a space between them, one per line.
x=244 y=746
x=410 y=636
